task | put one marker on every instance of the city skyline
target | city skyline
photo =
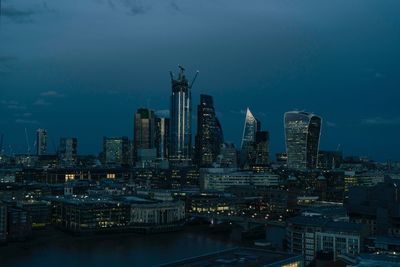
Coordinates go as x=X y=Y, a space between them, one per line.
x=199 y=133
x=304 y=57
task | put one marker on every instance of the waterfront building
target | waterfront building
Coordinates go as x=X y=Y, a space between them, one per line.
x=209 y=136
x=19 y=226
x=41 y=142
x=67 y=152
x=116 y=150
x=302 y=134
x=3 y=223
x=88 y=214
x=181 y=119
x=160 y=213
x=219 y=179
x=307 y=235
x=39 y=212
x=98 y=214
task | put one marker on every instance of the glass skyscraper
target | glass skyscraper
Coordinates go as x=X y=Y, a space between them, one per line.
x=116 y=150
x=302 y=134
x=251 y=127
x=209 y=136
x=181 y=119
x=41 y=142
x=68 y=151
x=144 y=129
x=162 y=137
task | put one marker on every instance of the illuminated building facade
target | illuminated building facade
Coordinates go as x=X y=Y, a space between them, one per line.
x=144 y=130
x=41 y=142
x=251 y=127
x=181 y=119
x=67 y=151
x=209 y=136
x=162 y=138
x=116 y=150
x=302 y=134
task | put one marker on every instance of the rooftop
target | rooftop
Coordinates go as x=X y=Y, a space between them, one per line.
x=238 y=257
x=326 y=223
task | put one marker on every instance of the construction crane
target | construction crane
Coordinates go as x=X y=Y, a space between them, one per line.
x=1 y=144
x=28 y=147
x=194 y=79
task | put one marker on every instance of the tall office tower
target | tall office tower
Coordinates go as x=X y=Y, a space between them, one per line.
x=144 y=130
x=209 y=136
x=162 y=138
x=41 y=142
x=262 y=148
x=302 y=133
x=228 y=157
x=67 y=152
x=181 y=119
x=116 y=150
x=251 y=127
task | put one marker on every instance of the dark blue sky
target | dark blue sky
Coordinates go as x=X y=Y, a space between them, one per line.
x=82 y=67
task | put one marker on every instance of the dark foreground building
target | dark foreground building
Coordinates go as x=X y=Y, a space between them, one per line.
x=377 y=206
x=242 y=257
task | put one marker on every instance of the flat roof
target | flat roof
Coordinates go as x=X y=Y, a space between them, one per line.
x=238 y=256
x=326 y=224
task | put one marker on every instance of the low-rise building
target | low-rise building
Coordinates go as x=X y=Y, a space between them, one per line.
x=242 y=257
x=3 y=223
x=218 y=179
x=307 y=235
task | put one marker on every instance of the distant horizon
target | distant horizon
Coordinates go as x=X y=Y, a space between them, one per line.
x=82 y=68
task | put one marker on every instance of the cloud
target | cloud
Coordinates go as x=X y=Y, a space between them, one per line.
x=17 y=15
x=175 y=7
x=381 y=121
x=22 y=121
x=164 y=113
x=331 y=124
x=12 y=104
x=52 y=94
x=41 y=102
x=6 y=64
x=135 y=7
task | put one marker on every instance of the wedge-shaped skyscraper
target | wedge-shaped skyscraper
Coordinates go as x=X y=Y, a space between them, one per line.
x=251 y=127
x=302 y=134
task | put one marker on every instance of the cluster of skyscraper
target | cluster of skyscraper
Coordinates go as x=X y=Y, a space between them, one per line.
x=169 y=140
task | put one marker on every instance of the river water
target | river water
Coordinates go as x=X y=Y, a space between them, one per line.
x=60 y=249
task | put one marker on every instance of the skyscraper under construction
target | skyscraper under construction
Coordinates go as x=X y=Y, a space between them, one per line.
x=181 y=119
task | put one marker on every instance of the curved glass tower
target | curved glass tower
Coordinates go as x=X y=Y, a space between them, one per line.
x=302 y=134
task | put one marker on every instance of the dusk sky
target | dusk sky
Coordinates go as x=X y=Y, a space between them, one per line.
x=83 y=67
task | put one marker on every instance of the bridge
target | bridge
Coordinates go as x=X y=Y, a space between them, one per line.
x=246 y=223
